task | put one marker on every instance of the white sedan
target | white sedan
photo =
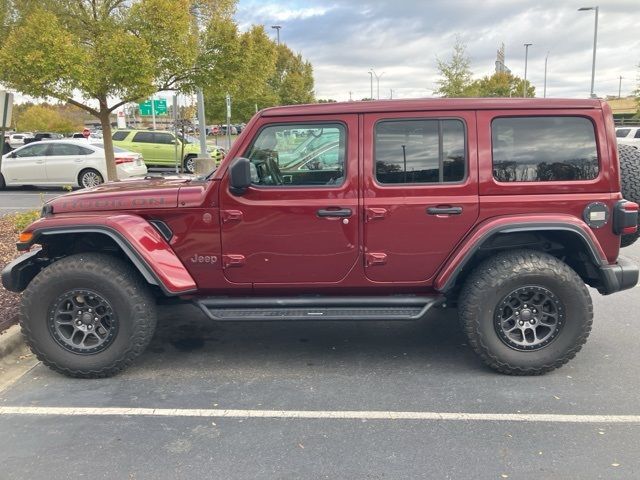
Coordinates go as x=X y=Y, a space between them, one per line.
x=64 y=163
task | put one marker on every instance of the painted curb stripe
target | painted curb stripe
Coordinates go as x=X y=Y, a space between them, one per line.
x=319 y=414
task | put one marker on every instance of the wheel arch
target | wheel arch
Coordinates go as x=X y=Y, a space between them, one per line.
x=158 y=265
x=572 y=243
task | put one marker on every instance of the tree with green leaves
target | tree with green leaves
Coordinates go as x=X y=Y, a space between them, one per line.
x=501 y=84
x=101 y=54
x=455 y=73
x=46 y=118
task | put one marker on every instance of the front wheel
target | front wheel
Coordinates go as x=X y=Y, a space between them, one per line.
x=88 y=315
x=525 y=312
x=190 y=164
x=90 y=178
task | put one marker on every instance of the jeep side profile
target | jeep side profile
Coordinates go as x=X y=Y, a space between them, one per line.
x=504 y=208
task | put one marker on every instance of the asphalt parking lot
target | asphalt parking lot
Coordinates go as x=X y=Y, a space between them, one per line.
x=16 y=200
x=332 y=400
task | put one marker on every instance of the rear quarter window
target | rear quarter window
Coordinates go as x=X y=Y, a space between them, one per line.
x=544 y=149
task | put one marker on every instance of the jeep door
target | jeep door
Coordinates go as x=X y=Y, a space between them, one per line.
x=294 y=225
x=420 y=191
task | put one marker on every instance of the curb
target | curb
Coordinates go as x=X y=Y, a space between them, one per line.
x=10 y=340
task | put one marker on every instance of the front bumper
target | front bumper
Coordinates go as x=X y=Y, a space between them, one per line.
x=622 y=275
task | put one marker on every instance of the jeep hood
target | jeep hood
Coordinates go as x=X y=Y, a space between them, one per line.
x=147 y=193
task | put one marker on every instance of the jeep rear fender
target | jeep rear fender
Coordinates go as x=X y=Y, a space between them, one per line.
x=464 y=253
x=140 y=241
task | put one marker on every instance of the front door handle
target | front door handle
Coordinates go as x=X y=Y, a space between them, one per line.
x=339 y=212
x=444 y=210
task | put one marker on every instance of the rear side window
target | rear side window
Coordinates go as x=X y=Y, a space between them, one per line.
x=143 y=137
x=543 y=149
x=637 y=133
x=622 y=132
x=119 y=136
x=419 y=151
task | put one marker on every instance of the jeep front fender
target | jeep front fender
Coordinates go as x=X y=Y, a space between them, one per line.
x=145 y=247
x=446 y=279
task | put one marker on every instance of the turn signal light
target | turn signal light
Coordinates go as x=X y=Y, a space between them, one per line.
x=26 y=237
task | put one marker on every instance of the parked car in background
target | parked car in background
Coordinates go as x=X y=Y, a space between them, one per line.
x=62 y=163
x=223 y=130
x=43 y=136
x=17 y=139
x=628 y=136
x=159 y=148
x=92 y=136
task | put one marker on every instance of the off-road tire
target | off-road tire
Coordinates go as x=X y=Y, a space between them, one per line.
x=132 y=302
x=630 y=183
x=493 y=279
x=189 y=164
x=87 y=172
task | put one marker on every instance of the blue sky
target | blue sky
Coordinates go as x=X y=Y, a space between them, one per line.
x=344 y=39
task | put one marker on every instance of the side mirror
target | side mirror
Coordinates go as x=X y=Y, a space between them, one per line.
x=239 y=175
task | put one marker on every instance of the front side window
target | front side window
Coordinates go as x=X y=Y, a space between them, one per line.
x=36 y=150
x=143 y=137
x=420 y=151
x=163 y=138
x=544 y=149
x=299 y=155
x=637 y=133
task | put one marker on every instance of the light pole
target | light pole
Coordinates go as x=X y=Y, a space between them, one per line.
x=595 y=43
x=526 y=59
x=544 y=94
x=378 y=77
x=371 y=78
x=277 y=29
x=620 y=87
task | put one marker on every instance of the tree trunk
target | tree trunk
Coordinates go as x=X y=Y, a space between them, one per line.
x=105 y=121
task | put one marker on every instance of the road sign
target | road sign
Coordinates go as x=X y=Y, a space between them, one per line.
x=159 y=105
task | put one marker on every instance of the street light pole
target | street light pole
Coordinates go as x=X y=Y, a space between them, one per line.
x=544 y=94
x=526 y=59
x=620 y=87
x=595 y=43
x=371 y=79
x=378 y=77
x=277 y=29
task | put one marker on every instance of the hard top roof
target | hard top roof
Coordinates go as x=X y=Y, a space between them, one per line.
x=435 y=104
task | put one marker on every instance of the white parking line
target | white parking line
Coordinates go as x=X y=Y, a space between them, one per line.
x=320 y=414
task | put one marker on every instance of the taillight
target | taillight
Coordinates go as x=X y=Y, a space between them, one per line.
x=625 y=218
x=121 y=160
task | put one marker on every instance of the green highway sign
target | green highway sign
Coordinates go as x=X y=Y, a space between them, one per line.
x=160 y=107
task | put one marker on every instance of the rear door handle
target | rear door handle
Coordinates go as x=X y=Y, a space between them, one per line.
x=444 y=210
x=340 y=212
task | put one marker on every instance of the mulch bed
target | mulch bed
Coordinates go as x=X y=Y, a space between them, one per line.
x=9 y=301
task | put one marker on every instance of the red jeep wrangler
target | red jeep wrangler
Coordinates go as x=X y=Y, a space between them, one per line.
x=348 y=211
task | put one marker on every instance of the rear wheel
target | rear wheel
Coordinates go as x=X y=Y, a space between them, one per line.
x=89 y=178
x=525 y=312
x=630 y=178
x=88 y=315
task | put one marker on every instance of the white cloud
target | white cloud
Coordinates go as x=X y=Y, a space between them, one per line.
x=343 y=39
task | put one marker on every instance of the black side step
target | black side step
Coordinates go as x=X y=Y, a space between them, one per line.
x=318 y=308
